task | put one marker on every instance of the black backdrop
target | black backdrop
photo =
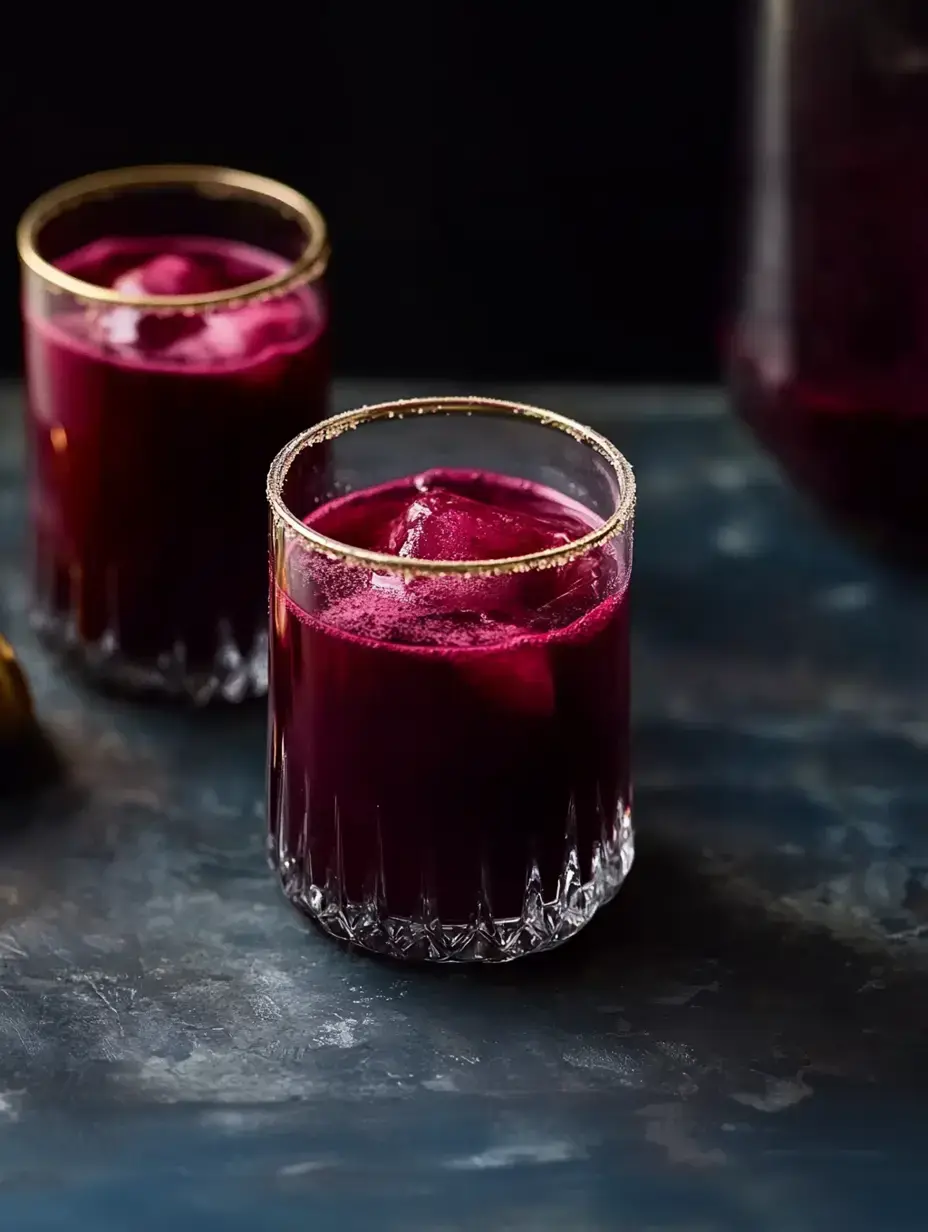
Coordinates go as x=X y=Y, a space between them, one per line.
x=513 y=190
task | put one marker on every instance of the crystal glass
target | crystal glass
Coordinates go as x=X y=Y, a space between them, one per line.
x=449 y=699
x=176 y=336
x=829 y=351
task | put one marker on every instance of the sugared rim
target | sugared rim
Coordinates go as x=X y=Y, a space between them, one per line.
x=548 y=558
x=209 y=181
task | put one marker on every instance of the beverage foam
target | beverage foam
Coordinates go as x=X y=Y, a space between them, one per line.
x=450 y=615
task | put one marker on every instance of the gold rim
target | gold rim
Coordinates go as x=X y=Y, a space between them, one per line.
x=208 y=181
x=549 y=558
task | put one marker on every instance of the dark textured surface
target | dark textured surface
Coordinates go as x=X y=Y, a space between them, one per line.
x=739 y=1043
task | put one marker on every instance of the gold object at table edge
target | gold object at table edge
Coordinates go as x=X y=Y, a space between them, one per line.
x=16 y=708
x=410 y=566
x=209 y=181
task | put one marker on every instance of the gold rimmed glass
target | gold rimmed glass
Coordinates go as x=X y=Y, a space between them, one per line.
x=449 y=770
x=176 y=334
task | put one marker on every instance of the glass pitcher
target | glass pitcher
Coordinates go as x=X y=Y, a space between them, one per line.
x=828 y=350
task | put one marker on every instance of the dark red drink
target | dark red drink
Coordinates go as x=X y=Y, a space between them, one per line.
x=829 y=360
x=450 y=754
x=150 y=432
x=861 y=459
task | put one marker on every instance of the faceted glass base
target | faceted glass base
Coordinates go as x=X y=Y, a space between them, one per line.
x=231 y=676
x=424 y=938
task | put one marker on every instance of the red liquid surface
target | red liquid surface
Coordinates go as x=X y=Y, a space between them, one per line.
x=432 y=738
x=150 y=439
x=861 y=457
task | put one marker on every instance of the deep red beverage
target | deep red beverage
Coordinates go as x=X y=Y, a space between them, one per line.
x=150 y=436
x=449 y=750
x=859 y=455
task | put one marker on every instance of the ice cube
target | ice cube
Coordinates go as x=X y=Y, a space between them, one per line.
x=440 y=524
x=560 y=596
x=220 y=335
x=170 y=274
x=243 y=333
x=134 y=329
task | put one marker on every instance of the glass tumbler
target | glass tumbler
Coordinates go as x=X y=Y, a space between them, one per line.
x=449 y=660
x=176 y=335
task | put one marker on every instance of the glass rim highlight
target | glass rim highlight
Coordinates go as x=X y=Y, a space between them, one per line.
x=217 y=182
x=548 y=558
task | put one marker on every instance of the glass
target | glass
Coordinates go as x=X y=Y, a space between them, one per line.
x=449 y=699
x=176 y=335
x=829 y=354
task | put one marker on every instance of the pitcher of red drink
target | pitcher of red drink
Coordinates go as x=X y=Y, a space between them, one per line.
x=828 y=354
x=175 y=328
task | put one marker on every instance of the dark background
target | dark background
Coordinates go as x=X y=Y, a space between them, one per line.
x=513 y=190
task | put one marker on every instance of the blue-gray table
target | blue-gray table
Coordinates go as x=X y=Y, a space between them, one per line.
x=738 y=1043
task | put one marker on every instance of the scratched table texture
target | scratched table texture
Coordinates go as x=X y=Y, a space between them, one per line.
x=739 y=1042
